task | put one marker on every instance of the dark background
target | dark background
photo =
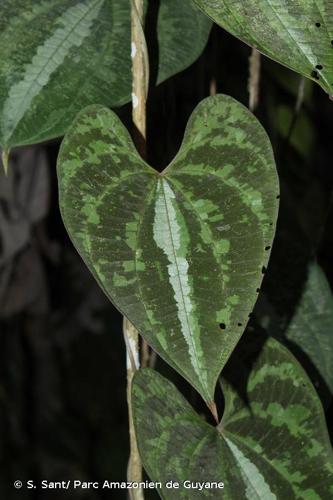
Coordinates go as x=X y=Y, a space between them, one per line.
x=63 y=409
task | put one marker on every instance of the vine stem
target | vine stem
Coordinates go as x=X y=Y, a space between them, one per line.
x=140 y=76
x=140 y=81
x=134 y=469
x=254 y=79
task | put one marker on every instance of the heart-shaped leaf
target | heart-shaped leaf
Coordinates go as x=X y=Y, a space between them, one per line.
x=181 y=253
x=296 y=34
x=58 y=56
x=273 y=446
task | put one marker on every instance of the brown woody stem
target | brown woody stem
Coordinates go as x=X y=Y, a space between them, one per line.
x=140 y=78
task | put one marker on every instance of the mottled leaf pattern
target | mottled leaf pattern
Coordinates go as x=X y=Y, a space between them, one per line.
x=59 y=56
x=181 y=253
x=298 y=34
x=274 y=446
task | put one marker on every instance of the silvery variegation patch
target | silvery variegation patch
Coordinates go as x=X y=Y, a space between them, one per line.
x=272 y=443
x=181 y=253
x=58 y=56
x=298 y=34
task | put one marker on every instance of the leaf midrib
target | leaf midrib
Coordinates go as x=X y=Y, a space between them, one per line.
x=15 y=122
x=181 y=287
x=240 y=441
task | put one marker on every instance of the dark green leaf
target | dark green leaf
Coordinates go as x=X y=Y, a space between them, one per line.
x=181 y=253
x=311 y=327
x=182 y=32
x=273 y=447
x=296 y=34
x=59 y=56
x=303 y=133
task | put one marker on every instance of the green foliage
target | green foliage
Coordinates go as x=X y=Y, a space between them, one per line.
x=312 y=324
x=296 y=34
x=272 y=442
x=181 y=253
x=302 y=136
x=182 y=32
x=59 y=56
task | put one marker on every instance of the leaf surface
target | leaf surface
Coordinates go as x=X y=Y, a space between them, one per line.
x=181 y=253
x=59 y=56
x=311 y=327
x=298 y=34
x=182 y=32
x=271 y=446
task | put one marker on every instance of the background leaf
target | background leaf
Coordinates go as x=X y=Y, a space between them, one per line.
x=310 y=329
x=182 y=32
x=296 y=34
x=59 y=56
x=274 y=445
x=181 y=253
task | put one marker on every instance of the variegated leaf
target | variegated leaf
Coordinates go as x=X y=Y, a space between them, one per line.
x=58 y=56
x=181 y=253
x=298 y=34
x=272 y=445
